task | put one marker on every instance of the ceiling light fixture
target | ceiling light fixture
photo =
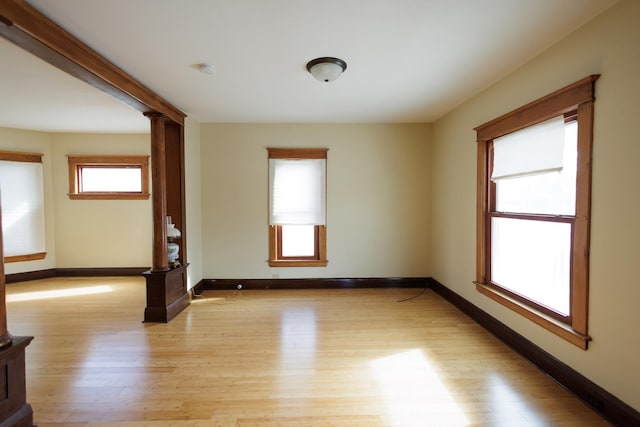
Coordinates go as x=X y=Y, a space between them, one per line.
x=326 y=69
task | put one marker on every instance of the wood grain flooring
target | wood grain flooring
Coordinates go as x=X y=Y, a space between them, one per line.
x=353 y=357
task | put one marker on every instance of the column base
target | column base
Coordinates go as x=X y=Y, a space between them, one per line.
x=167 y=294
x=14 y=409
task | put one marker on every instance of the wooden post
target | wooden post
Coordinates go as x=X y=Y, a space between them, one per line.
x=159 y=191
x=14 y=409
x=5 y=337
x=167 y=292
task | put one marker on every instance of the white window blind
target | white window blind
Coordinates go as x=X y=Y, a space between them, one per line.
x=22 y=197
x=533 y=150
x=297 y=191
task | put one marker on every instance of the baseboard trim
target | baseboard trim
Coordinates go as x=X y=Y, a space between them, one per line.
x=74 y=272
x=197 y=289
x=317 y=283
x=603 y=402
x=29 y=275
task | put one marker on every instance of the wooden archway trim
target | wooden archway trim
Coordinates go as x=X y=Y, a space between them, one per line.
x=25 y=26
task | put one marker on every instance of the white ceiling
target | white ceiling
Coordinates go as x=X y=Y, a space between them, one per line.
x=408 y=60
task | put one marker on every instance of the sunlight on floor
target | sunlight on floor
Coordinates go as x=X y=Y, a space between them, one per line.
x=58 y=293
x=209 y=300
x=413 y=392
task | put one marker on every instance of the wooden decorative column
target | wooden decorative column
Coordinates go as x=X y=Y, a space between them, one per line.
x=166 y=287
x=14 y=409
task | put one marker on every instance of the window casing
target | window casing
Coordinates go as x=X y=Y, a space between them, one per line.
x=297 y=229
x=23 y=219
x=108 y=177
x=566 y=225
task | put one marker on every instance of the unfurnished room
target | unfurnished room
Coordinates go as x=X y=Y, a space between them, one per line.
x=290 y=213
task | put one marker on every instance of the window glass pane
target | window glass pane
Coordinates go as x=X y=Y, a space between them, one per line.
x=533 y=259
x=298 y=240
x=118 y=179
x=552 y=193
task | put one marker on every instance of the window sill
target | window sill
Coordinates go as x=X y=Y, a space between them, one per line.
x=552 y=325
x=297 y=263
x=109 y=196
x=28 y=257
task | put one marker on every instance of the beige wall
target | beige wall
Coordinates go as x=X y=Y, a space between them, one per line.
x=85 y=233
x=378 y=194
x=608 y=46
x=193 y=200
x=35 y=142
x=99 y=233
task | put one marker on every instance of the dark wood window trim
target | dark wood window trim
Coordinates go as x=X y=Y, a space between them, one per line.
x=28 y=257
x=76 y=163
x=275 y=231
x=16 y=156
x=579 y=98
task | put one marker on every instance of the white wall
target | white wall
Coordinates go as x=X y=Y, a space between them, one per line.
x=377 y=198
x=193 y=200
x=610 y=46
x=35 y=142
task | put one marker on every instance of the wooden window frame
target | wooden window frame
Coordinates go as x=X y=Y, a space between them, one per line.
x=579 y=98
x=15 y=156
x=275 y=250
x=275 y=231
x=76 y=163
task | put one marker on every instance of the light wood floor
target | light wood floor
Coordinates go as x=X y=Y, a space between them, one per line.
x=273 y=358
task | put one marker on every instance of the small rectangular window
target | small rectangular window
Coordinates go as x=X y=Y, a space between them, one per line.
x=108 y=177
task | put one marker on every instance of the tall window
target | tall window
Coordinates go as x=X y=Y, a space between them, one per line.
x=21 y=188
x=534 y=191
x=108 y=177
x=297 y=207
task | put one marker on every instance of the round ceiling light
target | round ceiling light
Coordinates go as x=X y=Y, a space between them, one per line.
x=326 y=69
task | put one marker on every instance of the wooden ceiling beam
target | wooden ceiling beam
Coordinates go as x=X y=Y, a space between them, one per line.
x=26 y=27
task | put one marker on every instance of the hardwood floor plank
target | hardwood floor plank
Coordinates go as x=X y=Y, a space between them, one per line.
x=343 y=357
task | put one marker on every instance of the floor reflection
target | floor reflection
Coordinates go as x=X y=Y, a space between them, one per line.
x=414 y=393
x=508 y=405
x=297 y=349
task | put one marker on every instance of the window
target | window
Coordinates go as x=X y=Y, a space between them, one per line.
x=297 y=207
x=108 y=177
x=21 y=187
x=533 y=210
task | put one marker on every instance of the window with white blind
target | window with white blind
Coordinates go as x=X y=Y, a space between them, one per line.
x=297 y=207
x=22 y=198
x=533 y=217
